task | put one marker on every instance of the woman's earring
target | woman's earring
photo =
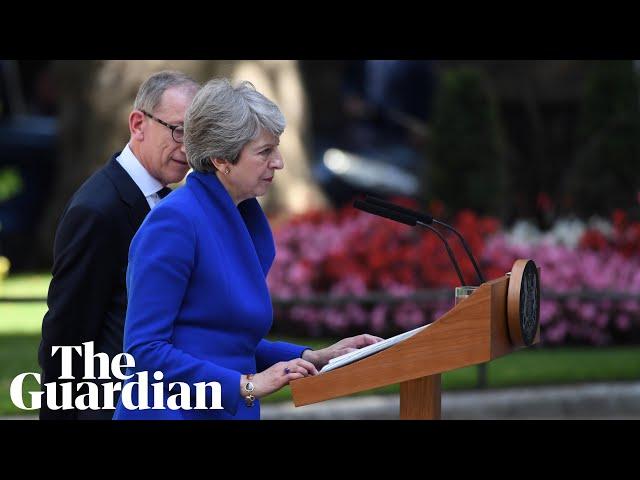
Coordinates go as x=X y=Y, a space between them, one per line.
x=227 y=171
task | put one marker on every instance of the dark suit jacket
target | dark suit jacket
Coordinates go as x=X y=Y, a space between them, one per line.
x=87 y=297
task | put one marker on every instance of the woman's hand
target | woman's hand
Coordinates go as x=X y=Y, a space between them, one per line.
x=277 y=376
x=321 y=357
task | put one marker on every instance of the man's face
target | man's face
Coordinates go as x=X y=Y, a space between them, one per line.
x=161 y=155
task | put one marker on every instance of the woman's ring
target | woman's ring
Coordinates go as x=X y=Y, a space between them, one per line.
x=287 y=370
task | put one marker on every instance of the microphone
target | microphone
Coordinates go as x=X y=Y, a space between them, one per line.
x=425 y=220
x=386 y=213
x=407 y=220
x=422 y=217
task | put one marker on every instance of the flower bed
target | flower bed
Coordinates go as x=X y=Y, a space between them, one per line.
x=351 y=253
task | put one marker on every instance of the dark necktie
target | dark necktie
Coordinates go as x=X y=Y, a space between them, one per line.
x=164 y=192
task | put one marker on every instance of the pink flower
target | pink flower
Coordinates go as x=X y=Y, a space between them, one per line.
x=350 y=253
x=623 y=322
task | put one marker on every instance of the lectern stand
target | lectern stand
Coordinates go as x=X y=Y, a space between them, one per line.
x=498 y=318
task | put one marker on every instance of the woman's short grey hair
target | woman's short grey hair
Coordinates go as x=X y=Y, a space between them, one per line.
x=222 y=119
x=150 y=92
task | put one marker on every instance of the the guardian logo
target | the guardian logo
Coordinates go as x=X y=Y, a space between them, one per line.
x=178 y=401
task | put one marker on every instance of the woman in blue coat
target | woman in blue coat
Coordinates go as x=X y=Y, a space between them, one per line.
x=199 y=307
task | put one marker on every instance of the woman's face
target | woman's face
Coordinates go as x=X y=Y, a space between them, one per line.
x=254 y=172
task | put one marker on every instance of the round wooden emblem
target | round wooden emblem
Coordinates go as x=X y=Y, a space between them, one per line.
x=523 y=303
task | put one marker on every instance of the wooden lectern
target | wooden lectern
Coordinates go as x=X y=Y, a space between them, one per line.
x=498 y=318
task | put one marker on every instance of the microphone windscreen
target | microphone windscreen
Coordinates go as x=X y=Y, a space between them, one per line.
x=386 y=213
x=423 y=217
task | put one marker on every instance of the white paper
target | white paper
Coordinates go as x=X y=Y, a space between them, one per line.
x=361 y=353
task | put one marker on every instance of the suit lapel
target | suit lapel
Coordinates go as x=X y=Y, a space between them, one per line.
x=138 y=212
x=129 y=192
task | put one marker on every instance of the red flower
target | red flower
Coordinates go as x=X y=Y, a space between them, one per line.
x=619 y=218
x=436 y=208
x=544 y=202
x=593 y=240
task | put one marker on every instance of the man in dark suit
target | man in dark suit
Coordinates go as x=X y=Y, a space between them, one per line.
x=87 y=297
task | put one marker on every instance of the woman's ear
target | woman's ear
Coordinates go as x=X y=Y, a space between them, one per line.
x=219 y=164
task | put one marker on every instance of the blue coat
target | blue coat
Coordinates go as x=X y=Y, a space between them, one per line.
x=199 y=307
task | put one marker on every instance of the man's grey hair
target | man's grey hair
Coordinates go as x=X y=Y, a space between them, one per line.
x=222 y=119
x=150 y=92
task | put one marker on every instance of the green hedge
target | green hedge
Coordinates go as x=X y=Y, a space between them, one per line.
x=468 y=167
x=606 y=171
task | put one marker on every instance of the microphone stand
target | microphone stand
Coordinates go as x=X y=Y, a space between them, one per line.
x=407 y=219
x=425 y=220
x=449 y=251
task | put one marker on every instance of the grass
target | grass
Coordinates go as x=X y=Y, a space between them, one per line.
x=18 y=354
x=21 y=317
x=20 y=325
x=31 y=285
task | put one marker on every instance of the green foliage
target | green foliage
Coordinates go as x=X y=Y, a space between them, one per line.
x=468 y=154
x=606 y=171
x=10 y=183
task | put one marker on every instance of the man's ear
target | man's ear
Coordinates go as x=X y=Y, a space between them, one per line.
x=136 y=123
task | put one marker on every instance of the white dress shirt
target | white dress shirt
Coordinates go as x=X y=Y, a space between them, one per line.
x=148 y=185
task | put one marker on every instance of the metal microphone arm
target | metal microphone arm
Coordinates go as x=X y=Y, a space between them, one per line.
x=466 y=248
x=449 y=251
x=410 y=220
x=425 y=220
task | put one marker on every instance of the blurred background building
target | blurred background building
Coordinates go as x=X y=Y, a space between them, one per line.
x=513 y=139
